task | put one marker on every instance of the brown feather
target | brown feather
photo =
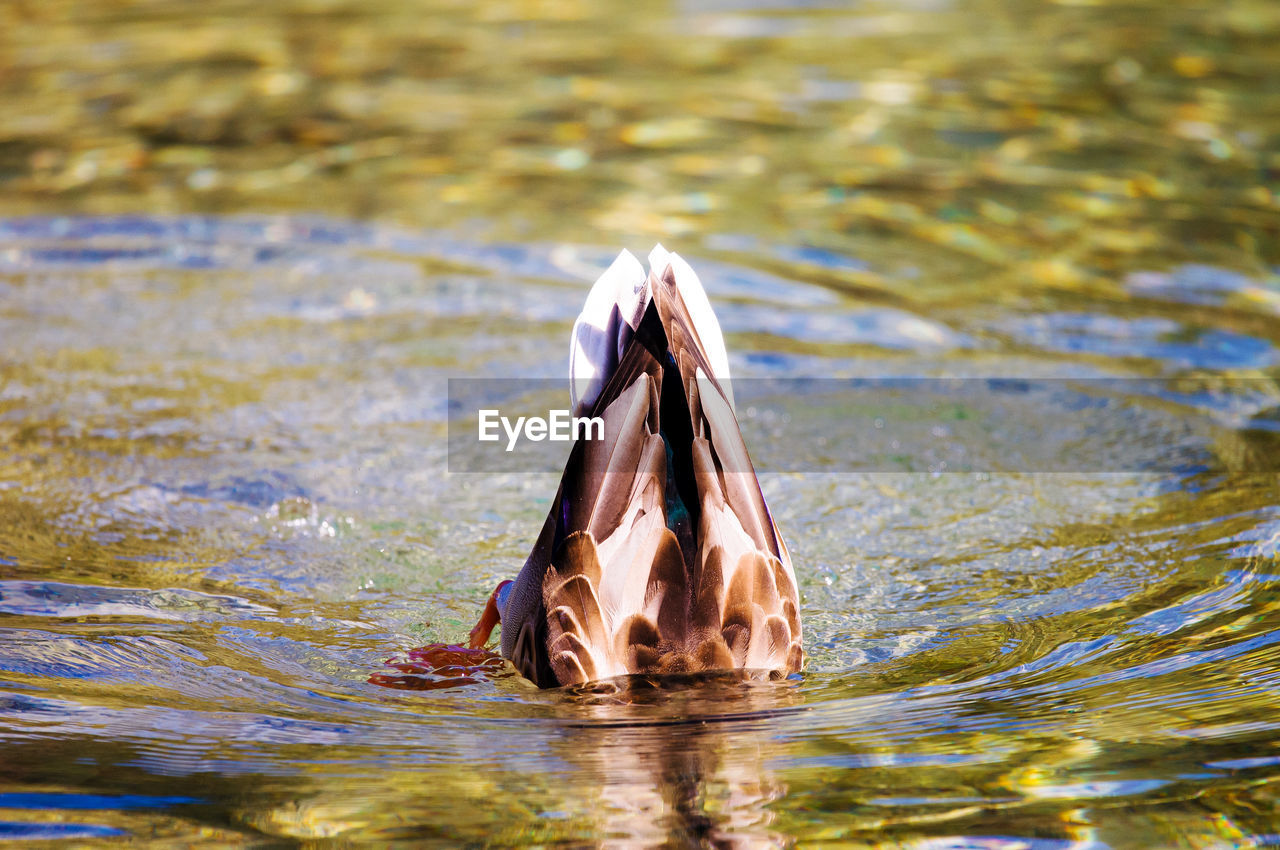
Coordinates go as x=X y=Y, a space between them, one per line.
x=575 y=621
x=668 y=590
x=714 y=654
x=738 y=478
x=708 y=589
x=571 y=661
x=528 y=651
x=605 y=485
x=633 y=544
x=779 y=639
x=638 y=642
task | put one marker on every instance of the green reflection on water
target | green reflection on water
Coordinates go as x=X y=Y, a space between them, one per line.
x=1042 y=145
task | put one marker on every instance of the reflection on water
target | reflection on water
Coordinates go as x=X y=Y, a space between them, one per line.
x=225 y=491
x=715 y=787
x=227 y=506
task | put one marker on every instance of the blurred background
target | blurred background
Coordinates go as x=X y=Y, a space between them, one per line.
x=1052 y=145
x=245 y=245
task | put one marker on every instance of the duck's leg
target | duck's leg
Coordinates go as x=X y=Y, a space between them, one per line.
x=489 y=618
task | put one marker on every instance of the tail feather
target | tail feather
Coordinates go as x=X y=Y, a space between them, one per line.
x=660 y=554
x=667 y=591
x=601 y=495
x=741 y=489
x=575 y=619
x=609 y=317
x=701 y=317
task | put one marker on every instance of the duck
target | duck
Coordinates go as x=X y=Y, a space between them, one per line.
x=659 y=555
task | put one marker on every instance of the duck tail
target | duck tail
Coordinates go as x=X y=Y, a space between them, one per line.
x=660 y=554
x=614 y=310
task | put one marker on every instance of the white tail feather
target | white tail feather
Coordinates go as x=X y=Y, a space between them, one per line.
x=598 y=340
x=704 y=318
x=600 y=334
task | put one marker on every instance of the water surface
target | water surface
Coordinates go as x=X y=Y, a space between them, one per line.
x=244 y=251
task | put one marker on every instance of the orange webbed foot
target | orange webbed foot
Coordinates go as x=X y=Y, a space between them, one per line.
x=489 y=618
x=440 y=665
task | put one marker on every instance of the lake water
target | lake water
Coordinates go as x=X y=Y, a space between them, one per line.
x=1003 y=278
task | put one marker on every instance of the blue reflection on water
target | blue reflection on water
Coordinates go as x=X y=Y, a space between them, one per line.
x=50 y=831
x=23 y=800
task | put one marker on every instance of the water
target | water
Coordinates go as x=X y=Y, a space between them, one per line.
x=244 y=251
